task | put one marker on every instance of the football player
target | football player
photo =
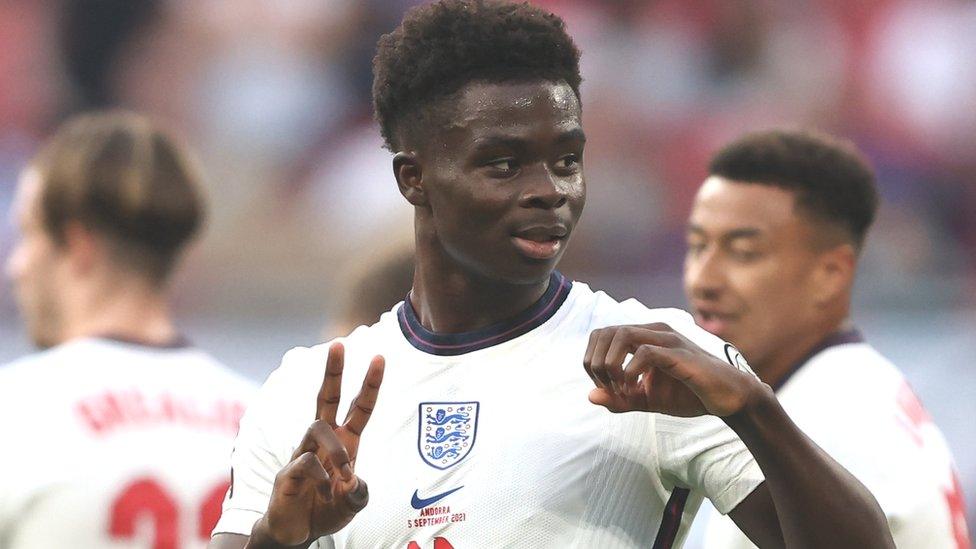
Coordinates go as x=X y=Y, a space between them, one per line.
x=773 y=244
x=483 y=436
x=117 y=433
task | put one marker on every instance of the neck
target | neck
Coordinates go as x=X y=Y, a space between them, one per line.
x=774 y=369
x=451 y=299
x=132 y=311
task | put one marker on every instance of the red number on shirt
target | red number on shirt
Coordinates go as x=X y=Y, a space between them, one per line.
x=957 y=510
x=917 y=418
x=147 y=499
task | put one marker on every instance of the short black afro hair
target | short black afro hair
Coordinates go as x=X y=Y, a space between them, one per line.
x=831 y=180
x=441 y=46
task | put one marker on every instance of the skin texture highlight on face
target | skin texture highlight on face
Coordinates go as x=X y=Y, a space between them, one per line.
x=35 y=265
x=750 y=271
x=503 y=182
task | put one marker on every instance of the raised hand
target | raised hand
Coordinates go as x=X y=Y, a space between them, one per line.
x=318 y=492
x=667 y=374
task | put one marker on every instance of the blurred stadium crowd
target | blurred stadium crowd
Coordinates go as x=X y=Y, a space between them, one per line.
x=274 y=97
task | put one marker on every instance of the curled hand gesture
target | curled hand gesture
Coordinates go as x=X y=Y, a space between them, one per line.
x=666 y=373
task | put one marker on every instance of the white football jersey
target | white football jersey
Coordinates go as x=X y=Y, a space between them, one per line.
x=108 y=444
x=487 y=439
x=858 y=407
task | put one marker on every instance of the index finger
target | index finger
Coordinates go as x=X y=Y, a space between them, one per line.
x=327 y=403
x=362 y=406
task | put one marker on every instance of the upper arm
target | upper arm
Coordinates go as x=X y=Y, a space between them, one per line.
x=756 y=517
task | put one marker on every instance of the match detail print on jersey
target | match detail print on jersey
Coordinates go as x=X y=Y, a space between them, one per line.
x=446 y=432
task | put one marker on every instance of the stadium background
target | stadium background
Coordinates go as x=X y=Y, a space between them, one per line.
x=274 y=97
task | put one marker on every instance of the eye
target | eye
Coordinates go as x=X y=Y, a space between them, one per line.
x=695 y=247
x=503 y=166
x=744 y=256
x=568 y=162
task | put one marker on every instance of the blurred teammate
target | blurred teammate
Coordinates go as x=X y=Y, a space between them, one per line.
x=483 y=436
x=374 y=281
x=773 y=243
x=117 y=433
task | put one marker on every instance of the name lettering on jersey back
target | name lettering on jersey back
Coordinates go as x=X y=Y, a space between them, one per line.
x=105 y=412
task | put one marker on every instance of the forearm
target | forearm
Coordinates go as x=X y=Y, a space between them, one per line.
x=819 y=503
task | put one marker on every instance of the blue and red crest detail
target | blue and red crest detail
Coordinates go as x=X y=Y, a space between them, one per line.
x=447 y=432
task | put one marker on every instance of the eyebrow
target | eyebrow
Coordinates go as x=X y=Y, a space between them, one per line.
x=569 y=136
x=742 y=232
x=575 y=134
x=498 y=140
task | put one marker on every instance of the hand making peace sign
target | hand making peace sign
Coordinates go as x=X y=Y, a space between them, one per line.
x=318 y=493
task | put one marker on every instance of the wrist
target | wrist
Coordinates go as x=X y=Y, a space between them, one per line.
x=758 y=404
x=261 y=537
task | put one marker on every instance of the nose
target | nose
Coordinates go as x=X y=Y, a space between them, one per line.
x=545 y=190
x=704 y=279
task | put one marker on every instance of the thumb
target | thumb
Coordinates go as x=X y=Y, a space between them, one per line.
x=603 y=397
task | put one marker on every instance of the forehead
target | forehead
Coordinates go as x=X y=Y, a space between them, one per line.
x=484 y=107
x=723 y=205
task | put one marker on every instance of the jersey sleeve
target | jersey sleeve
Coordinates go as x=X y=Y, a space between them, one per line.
x=703 y=453
x=264 y=446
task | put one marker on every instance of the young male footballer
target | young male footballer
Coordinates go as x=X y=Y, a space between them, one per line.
x=116 y=434
x=773 y=244
x=484 y=436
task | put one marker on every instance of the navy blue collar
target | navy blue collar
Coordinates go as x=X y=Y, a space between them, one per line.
x=852 y=335
x=466 y=342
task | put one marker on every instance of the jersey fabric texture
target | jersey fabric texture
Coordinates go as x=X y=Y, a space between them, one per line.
x=857 y=406
x=108 y=444
x=487 y=439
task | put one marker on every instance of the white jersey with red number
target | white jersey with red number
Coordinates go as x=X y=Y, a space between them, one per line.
x=857 y=406
x=487 y=439
x=107 y=444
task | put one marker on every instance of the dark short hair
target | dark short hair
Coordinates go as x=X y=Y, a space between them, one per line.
x=124 y=179
x=831 y=180
x=440 y=47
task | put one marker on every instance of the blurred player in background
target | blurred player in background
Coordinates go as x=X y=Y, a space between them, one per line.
x=117 y=433
x=483 y=436
x=373 y=282
x=773 y=243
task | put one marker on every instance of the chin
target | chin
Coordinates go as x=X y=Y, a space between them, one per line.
x=520 y=273
x=532 y=271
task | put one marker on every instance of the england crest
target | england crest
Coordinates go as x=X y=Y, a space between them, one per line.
x=447 y=432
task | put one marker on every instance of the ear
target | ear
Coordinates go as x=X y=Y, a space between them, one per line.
x=409 y=176
x=834 y=274
x=82 y=248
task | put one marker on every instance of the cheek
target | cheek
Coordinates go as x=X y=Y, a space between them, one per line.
x=776 y=296
x=762 y=288
x=474 y=213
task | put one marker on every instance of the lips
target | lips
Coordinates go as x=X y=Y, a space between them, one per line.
x=540 y=241
x=713 y=322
